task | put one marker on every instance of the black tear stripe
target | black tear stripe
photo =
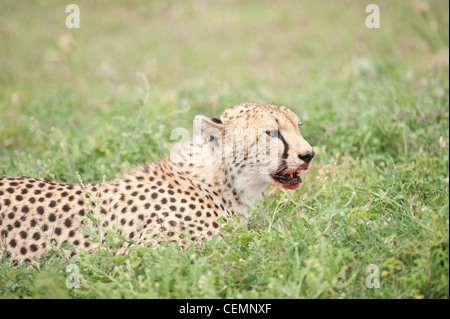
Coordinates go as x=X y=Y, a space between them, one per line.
x=283 y=164
x=286 y=146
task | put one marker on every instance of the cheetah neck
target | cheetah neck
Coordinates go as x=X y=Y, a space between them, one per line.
x=234 y=184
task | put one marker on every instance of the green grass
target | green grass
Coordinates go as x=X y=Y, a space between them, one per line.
x=374 y=103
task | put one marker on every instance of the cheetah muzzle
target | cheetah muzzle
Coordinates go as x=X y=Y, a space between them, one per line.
x=216 y=174
x=289 y=179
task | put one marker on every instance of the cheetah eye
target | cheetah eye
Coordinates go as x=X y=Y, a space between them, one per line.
x=272 y=132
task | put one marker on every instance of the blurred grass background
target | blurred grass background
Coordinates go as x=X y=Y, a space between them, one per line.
x=374 y=102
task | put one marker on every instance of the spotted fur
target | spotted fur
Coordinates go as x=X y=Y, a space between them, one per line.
x=173 y=199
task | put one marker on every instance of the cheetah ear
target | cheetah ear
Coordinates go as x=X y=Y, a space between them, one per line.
x=211 y=129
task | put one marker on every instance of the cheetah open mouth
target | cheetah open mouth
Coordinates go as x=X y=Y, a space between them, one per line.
x=289 y=179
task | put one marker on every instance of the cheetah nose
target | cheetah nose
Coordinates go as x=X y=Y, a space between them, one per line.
x=307 y=157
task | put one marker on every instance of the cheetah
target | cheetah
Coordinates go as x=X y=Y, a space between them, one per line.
x=215 y=174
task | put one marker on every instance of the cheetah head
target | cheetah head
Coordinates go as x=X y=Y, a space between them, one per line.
x=259 y=144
